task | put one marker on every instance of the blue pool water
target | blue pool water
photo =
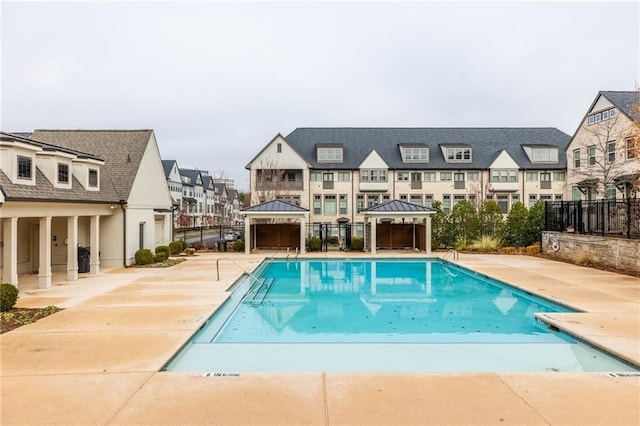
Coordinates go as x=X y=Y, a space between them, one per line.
x=382 y=315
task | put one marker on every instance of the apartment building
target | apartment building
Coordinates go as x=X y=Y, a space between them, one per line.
x=337 y=172
x=603 y=160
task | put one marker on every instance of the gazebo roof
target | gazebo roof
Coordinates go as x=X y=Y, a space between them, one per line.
x=274 y=206
x=398 y=206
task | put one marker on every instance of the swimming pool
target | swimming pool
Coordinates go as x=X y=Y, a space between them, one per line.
x=381 y=315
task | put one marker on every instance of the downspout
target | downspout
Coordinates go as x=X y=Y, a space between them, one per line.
x=124 y=232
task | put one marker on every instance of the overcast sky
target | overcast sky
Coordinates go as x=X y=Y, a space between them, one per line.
x=217 y=81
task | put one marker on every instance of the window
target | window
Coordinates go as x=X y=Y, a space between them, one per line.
x=545 y=155
x=372 y=200
x=503 y=203
x=457 y=199
x=330 y=204
x=415 y=154
x=611 y=192
x=344 y=176
x=416 y=199
x=373 y=175
x=459 y=154
x=317 y=208
x=428 y=200
x=403 y=197
x=315 y=176
x=386 y=197
x=557 y=197
x=445 y=176
x=279 y=148
x=504 y=176
x=24 y=167
x=458 y=180
x=591 y=152
x=531 y=176
x=429 y=176
x=576 y=158
x=611 y=151
x=63 y=173
x=93 y=178
x=515 y=197
x=559 y=176
x=327 y=180
x=446 y=203
x=360 y=202
x=532 y=199
x=343 y=204
x=630 y=149
x=403 y=175
x=545 y=180
x=601 y=116
x=329 y=154
x=473 y=176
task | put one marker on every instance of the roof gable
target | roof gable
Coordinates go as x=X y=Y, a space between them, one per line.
x=373 y=161
x=504 y=161
x=275 y=206
x=397 y=206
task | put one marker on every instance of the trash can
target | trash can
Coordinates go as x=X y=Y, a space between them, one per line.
x=222 y=245
x=83 y=259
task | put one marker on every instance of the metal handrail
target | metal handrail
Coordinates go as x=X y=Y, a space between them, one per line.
x=235 y=263
x=451 y=252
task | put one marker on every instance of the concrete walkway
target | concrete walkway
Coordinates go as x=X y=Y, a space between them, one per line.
x=97 y=361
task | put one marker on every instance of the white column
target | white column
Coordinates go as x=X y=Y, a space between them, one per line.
x=373 y=235
x=427 y=237
x=94 y=244
x=10 y=251
x=44 y=272
x=247 y=235
x=72 y=248
x=303 y=228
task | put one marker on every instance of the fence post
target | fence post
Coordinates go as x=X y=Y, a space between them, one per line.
x=629 y=217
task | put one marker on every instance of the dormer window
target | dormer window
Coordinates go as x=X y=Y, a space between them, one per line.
x=459 y=154
x=63 y=173
x=93 y=178
x=545 y=155
x=329 y=153
x=24 y=167
x=601 y=116
x=414 y=154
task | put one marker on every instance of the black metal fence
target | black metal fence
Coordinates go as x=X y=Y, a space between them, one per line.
x=612 y=218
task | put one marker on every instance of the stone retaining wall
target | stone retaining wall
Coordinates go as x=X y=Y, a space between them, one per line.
x=618 y=253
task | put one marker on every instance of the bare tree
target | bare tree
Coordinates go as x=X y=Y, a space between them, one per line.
x=270 y=182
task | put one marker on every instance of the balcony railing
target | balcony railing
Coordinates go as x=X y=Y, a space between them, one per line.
x=280 y=185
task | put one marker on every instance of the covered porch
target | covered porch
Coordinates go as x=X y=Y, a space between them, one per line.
x=293 y=220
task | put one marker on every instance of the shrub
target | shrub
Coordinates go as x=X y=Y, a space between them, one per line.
x=162 y=249
x=486 y=244
x=8 y=296
x=584 y=259
x=161 y=257
x=314 y=244
x=533 y=249
x=333 y=240
x=508 y=250
x=144 y=257
x=185 y=245
x=175 y=247
x=197 y=245
x=238 y=245
x=461 y=243
x=191 y=251
x=357 y=243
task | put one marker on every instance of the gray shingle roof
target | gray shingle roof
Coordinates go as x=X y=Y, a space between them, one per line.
x=487 y=143
x=397 y=206
x=624 y=101
x=45 y=191
x=122 y=151
x=167 y=165
x=275 y=206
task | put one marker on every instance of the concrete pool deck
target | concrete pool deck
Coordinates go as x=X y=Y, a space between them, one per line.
x=97 y=361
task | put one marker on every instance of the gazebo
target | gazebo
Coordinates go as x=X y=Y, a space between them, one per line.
x=274 y=209
x=397 y=209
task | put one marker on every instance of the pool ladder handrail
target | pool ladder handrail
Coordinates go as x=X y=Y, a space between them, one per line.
x=235 y=263
x=451 y=253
